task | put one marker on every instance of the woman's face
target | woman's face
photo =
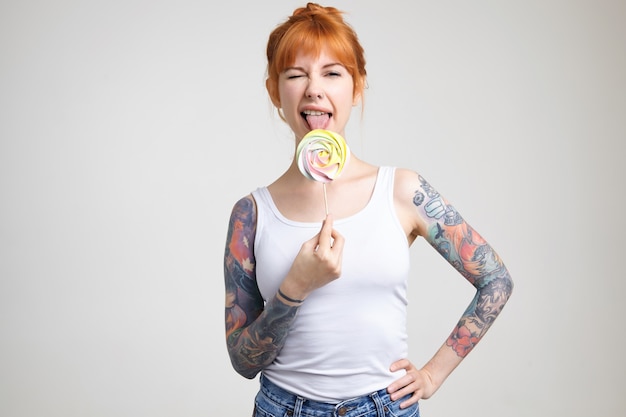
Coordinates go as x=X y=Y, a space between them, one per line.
x=316 y=93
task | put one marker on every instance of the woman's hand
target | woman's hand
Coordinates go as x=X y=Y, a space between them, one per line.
x=317 y=263
x=416 y=382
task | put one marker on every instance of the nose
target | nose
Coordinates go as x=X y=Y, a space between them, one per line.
x=311 y=94
x=313 y=91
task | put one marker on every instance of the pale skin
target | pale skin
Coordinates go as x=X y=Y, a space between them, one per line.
x=256 y=332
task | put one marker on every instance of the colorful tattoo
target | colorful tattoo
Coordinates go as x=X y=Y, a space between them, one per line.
x=255 y=332
x=474 y=258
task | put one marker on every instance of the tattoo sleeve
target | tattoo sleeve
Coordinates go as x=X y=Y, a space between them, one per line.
x=473 y=258
x=255 y=331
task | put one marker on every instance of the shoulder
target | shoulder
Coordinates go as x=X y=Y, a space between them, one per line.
x=243 y=213
x=408 y=187
x=245 y=204
x=406 y=181
x=418 y=203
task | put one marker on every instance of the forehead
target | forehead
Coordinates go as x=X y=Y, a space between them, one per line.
x=312 y=47
x=322 y=58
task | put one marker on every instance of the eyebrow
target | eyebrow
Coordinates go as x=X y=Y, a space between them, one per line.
x=326 y=66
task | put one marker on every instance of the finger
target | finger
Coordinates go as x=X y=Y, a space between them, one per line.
x=409 y=388
x=400 y=364
x=337 y=240
x=412 y=400
x=325 y=235
x=312 y=243
x=399 y=385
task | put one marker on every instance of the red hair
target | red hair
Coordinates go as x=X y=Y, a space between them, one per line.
x=308 y=30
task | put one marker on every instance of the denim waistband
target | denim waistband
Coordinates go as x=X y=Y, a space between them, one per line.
x=374 y=402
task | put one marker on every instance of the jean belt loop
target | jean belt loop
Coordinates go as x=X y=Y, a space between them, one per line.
x=297 y=410
x=380 y=408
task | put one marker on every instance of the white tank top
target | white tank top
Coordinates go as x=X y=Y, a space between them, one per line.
x=347 y=333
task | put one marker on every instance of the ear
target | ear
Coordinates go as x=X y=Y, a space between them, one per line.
x=272 y=90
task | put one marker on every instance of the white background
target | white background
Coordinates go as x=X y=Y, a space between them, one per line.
x=128 y=129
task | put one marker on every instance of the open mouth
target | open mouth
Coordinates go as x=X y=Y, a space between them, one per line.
x=316 y=119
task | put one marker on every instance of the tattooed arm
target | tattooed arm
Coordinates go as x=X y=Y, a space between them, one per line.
x=424 y=212
x=255 y=332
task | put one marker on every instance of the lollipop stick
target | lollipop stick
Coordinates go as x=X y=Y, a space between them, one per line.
x=325 y=198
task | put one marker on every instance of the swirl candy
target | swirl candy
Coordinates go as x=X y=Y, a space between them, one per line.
x=322 y=155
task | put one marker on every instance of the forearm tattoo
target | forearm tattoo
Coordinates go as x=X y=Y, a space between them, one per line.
x=474 y=258
x=253 y=348
x=255 y=332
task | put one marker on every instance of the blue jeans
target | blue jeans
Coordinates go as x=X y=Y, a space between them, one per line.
x=272 y=401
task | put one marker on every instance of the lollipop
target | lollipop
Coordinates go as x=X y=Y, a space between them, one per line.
x=322 y=155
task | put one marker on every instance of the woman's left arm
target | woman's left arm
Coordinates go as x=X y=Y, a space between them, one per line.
x=446 y=231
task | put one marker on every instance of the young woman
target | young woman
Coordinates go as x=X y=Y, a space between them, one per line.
x=319 y=307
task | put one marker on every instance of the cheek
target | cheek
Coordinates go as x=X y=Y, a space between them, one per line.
x=345 y=100
x=288 y=97
x=288 y=106
x=345 y=93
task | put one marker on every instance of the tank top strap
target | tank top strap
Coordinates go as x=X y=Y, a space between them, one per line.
x=383 y=191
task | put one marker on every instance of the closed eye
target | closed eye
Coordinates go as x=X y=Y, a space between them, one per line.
x=293 y=73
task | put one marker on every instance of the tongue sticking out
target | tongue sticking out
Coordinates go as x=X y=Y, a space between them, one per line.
x=318 y=122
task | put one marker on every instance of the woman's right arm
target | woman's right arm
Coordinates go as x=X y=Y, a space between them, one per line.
x=255 y=332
